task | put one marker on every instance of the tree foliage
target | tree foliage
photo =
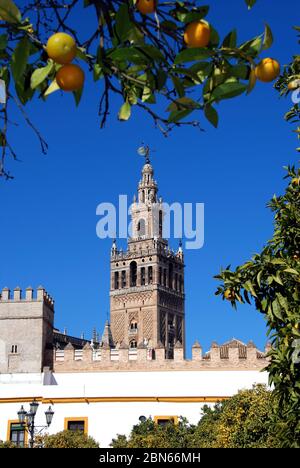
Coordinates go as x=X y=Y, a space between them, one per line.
x=148 y=434
x=288 y=85
x=69 y=439
x=7 y=444
x=245 y=420
x=140 y=58
x=271 y=279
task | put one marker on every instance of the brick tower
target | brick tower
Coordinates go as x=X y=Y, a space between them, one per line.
x=147 y=280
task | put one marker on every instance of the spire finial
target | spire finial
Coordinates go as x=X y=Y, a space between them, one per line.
x=144 y=150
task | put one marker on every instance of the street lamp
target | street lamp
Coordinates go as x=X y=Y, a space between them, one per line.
x=27 y=420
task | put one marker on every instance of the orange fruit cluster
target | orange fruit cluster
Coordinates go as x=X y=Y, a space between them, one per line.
x=61 y=48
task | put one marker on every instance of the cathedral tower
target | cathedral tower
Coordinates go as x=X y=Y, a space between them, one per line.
x=147 y=280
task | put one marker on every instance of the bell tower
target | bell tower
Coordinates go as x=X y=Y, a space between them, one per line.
x=147 y=280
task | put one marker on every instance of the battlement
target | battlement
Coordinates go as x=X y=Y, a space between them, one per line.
x=40 y=295
x=118 y=255
x=231 y=355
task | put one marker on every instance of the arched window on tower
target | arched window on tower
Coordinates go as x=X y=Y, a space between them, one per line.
x=133 y=325
x=116 y=282
x=176 y=282
x=180 y=283
x=160 y=275
x=133 y=274
x=171 y=276
x=165 y=277
x=143 y=276
x=150 y=275
x=133 y=344
x=123 y=279
x=141 y=228
x=143 y=196
x=160 y=223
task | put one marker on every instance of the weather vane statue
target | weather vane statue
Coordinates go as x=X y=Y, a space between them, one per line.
x=144 y=150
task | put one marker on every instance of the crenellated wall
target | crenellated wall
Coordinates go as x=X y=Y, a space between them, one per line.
x=231 y=355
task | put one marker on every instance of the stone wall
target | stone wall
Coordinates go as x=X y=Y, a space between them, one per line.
x=231 y=355
x=26 y=330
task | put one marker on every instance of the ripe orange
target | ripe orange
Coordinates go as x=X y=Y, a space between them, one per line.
x=197 y=34
x=146 y=6
x=229 y=294
x=61 y=48
x=267 y=70
x=70 y=77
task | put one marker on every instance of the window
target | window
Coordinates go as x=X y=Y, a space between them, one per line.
x=150 y=275
x=76 y=424
x=116 y=280
x=164 y=420
x=171 y=276
x=165 y=277
x=133 y=344
x=180 y=283
x=133 y=274
x=160 y=223
x=160 y=275
x=133 y=325
x=176 y=281
x=16 y=433
x=141 y=228
x=14 y=349
x=123 y=279
x=143 y=276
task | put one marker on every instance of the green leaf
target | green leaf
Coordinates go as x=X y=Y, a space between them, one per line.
x=51 y=89
x=197 y=14
x=240 y=71
x=152 y=52
x=268 y=38
x=98 y=72
x=250 y=3
x=190 y=55
x=253 y=46
x=77 y=95
x=183 y=103
x=177 y=115
x=20 y=58
x=123 y=23
x=161 y=78
x=228 y=90
x=9 y=11
x=249 y=287
x=230 y=40
x=252 y=81
x=131 y=54
x=3 y=41
x=178 y=86
x=211 y=115
x=214 y=37
x=125 y=111
x=40 y=74
x=277 y=309
x=185 y=16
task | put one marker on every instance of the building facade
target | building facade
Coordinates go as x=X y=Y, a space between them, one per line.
x=139 y=367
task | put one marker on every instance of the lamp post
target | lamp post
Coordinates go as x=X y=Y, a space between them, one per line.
x=27 y=420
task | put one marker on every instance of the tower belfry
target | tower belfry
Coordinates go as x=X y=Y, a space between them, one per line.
x=147 y=280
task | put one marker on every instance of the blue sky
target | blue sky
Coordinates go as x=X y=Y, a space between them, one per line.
x=48 y=212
